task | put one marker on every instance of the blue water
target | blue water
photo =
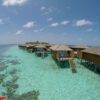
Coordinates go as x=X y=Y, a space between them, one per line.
x=53 y=83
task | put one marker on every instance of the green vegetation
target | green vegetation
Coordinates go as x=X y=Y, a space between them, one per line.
x=37 y=42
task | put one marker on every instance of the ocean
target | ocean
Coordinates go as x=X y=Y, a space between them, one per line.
x=22 y=72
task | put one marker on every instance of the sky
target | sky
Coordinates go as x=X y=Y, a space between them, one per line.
x=53 y=21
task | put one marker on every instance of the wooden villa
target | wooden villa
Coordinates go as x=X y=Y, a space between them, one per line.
x=91 y=55
x=63 y=53
x=77 y=49
x=29 y=47
x=23 y=46
x=40 y=50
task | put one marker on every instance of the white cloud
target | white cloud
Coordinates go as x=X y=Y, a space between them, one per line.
x=50 y=10
x=65 y=22
x=29 y=24
x=83 y=22
x=1 y=21
x=49 y=19
x=36 y=31
x=46 y=10
x=19 y=32
x=43 y=8
x=55 y=24
x=39 y=30
x=45 y=13
x=42 y=29
x=89 y=30
x=13 y=2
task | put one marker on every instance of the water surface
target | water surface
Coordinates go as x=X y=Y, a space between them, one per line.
x=53 y=83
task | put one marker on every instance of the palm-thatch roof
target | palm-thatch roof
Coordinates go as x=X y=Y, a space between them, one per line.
x=53 y=47
x=40 y=46
x=46 y=45
x=93 y=50
x=27 y=45
x=60 y=48
x=79 y=46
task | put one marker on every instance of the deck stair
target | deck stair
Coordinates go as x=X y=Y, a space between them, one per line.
x=72 y=65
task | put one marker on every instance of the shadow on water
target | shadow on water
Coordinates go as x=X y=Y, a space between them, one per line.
x=91 y=66
x=62 y=64
x=41 y=55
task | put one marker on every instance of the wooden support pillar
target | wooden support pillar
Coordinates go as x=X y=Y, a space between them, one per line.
x=59 y=63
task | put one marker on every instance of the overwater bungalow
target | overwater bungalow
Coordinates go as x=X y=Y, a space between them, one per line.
x=23 y=46
x=40 y=50
x=92 y=55
x=29 y=47
x=52 y=48
x=61 y=52
x=77 y=49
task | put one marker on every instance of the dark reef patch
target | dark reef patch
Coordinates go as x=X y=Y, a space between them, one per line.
x=3 y=66
x=13 y=62
x=32 y=95
x=13 y=71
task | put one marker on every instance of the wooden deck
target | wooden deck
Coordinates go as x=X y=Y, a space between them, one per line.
x=63 y=59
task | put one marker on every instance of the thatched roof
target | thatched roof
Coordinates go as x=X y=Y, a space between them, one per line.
x=60 y=48
x=79 y=46
x=40 y=46
x=93 y=50
x=53 y=47
x=46 y=45
x=63 y=48
x=27 y=45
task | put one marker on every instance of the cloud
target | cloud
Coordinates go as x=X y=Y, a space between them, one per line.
x=55 y=24
x=46 y=10
x=50 y=10
x=35 y=31
x=89 y=30
x=38 y=30
x=42 y=29
x=19 y=32
x=65 y=22
x=1 y=21
x=49 y=19
x=43 y=8
x=83 y=22
x=29 y=24
x=13 y=2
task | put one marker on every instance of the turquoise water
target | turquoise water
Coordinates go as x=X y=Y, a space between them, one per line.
x=53 y=83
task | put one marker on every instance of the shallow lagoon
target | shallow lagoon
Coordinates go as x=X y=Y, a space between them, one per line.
x=53 y=83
